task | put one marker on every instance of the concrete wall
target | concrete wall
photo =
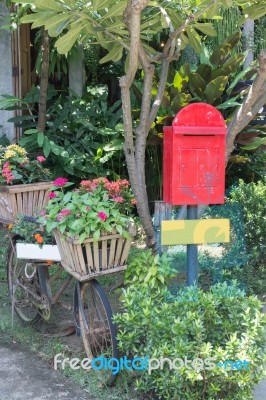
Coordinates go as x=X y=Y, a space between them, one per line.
x=6 y=85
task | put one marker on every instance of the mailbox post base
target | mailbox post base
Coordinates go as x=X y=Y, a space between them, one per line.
x=192 y=252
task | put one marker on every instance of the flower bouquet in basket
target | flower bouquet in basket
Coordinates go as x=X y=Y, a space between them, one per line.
x=32 y=240
x=23 y=183
x=91 y=224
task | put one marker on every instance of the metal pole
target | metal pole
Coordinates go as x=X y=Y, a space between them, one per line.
x=192 y=252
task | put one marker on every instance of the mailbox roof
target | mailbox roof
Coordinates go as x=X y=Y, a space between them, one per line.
x=199 y=118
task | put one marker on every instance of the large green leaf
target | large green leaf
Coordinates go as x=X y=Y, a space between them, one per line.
x=219 y=55
x=66 y=42
x=194 y=39
x=55 y=25
x=180 y=101
x=42 y=19
x=254 y=145
x=114 y=55
x=197 y=85
x=204 y=70
x=215 y=89
x=206 y=28
x=116 y=10
x=51 y=5
x=181 y=78
x=255 y=11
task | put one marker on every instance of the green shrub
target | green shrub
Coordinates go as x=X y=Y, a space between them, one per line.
x=252 y=198
x=221 y=324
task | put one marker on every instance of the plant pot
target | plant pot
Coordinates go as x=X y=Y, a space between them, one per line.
x=90 y=259
x=28 y=251
x=24 y=199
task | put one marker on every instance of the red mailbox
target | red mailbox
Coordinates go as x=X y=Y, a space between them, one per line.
x=194 y=157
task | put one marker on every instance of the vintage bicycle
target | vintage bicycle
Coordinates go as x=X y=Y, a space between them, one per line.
x=31 y=289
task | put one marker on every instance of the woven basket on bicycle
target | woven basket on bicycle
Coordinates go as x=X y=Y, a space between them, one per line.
x=93 y=258
x=25 y=198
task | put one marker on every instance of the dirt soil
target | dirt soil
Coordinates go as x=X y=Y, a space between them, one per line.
x=24 y=376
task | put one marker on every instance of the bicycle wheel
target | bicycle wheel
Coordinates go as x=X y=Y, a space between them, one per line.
x=24 y=286
x=97 y=329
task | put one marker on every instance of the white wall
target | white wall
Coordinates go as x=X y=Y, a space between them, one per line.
x=6 y=85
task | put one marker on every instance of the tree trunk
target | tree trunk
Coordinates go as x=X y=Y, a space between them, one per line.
x=248 y=33
x=43 y=81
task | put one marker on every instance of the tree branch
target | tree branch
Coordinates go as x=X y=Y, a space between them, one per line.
x=44 y=81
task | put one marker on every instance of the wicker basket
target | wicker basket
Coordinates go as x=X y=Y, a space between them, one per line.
x=90 y=259
x=24 y=199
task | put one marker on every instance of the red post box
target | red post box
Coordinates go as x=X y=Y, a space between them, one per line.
x=194 y=157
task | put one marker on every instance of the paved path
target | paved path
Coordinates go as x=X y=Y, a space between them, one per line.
x=23 y=376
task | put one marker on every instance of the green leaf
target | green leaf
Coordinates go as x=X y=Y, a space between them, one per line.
x=219 y=55
x=215 y=88
x=197 y=85
x=206 y=28
x=46 y=147
x=42 y=19
x=114 y=55
x=116 y=10
x=194 y=40
x=49 y=5
x=55 y=25
x=119 y=229
x=40 y=138
x=181 y=100
x=100 y=4
x=96 y=235
x=82 y=237
x=66 y=42
x=255 y=144
x=28 y=19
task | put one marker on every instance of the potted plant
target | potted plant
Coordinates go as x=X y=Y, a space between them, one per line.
x=91 y=225
x=33 y=242
x=23 y=183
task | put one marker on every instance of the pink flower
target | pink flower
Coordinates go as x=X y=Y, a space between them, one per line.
x=65 y=212
x=119 y=199
x=78 y=215
x=102 y=215
x=60 y=217
x=60 y=181
x=133 y=202
x=40 y=159
x=43 y=213
x=88 y=208
x=52 y=195
x=85 y=183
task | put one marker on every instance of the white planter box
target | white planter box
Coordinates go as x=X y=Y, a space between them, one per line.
x=35 y=252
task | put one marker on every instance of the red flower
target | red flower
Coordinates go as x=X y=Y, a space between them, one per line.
x=102 y=215
x=60 y=182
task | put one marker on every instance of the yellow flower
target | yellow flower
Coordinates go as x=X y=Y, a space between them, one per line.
x=9 y=226
x=13 y=150
x=17 y=148
x=10 y=154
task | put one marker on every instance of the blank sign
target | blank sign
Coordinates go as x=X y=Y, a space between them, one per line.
x=195 y=231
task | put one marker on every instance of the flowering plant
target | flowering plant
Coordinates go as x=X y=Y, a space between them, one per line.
x=16 y=168
x=30 y=231
x=97 y=205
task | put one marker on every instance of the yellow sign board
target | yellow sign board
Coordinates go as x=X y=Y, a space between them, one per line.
x=195 y=231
